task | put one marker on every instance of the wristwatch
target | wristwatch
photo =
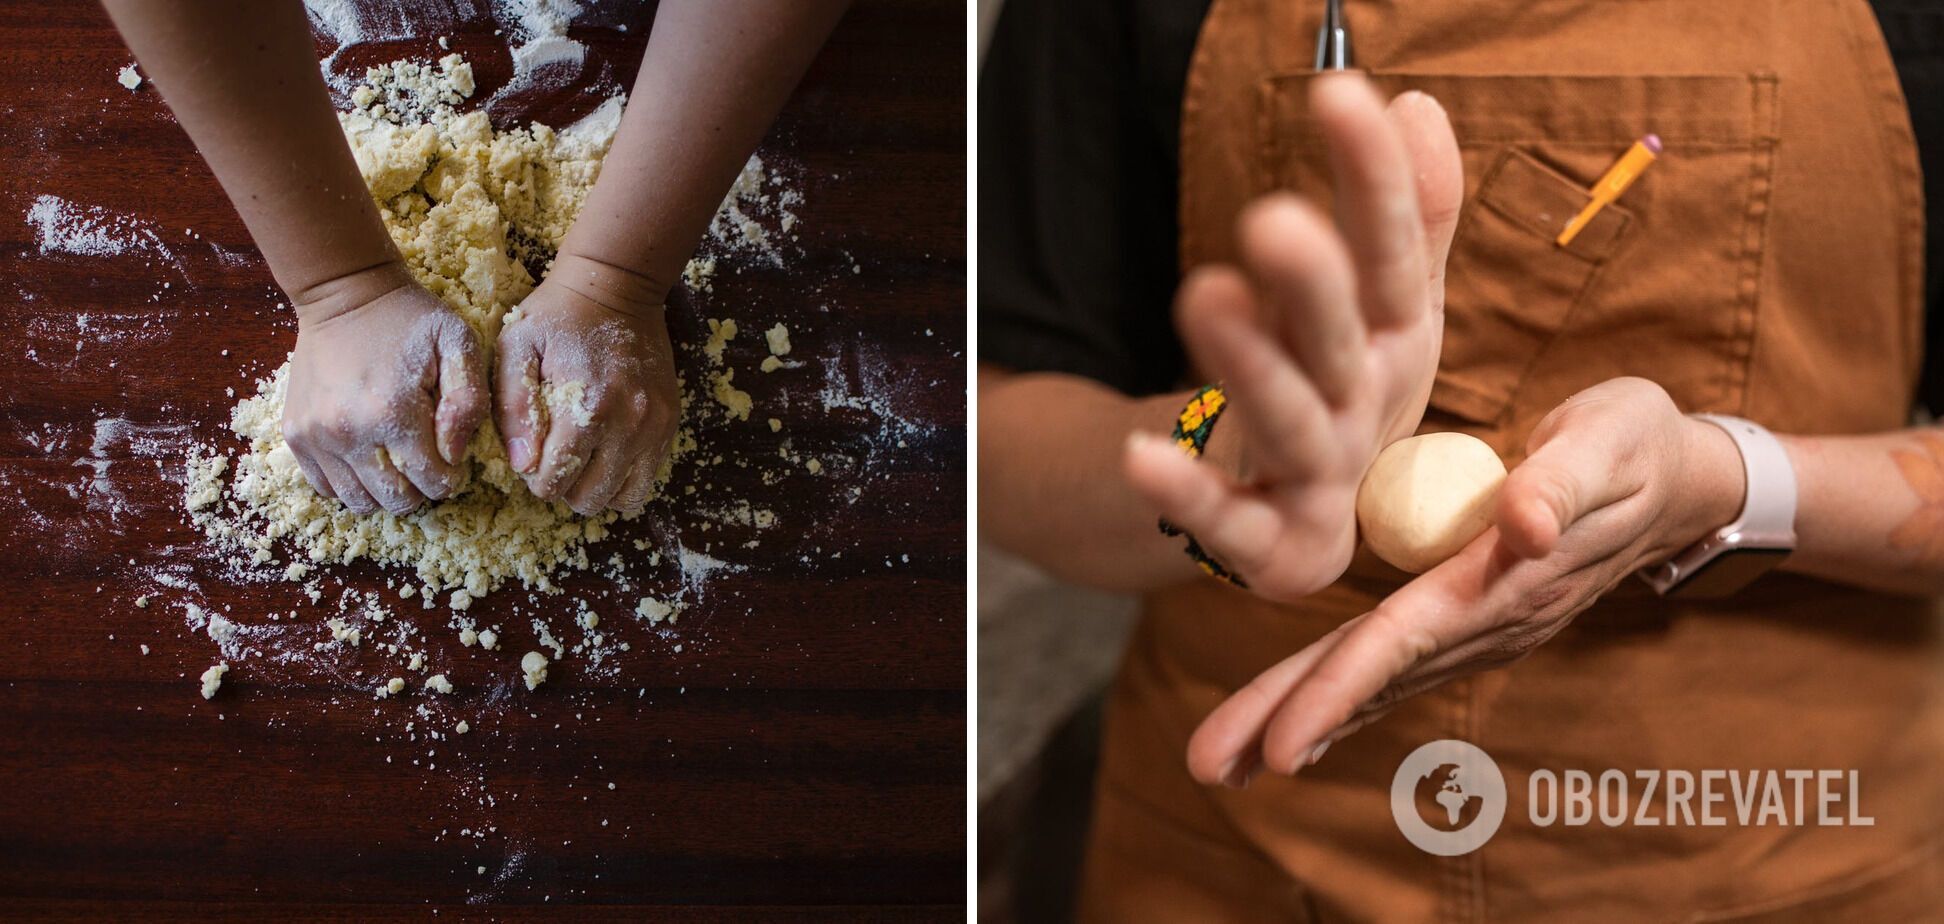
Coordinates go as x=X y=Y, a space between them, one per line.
x=1763 y=535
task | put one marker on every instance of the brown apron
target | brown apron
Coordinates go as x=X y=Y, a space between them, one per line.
x=1768 y=266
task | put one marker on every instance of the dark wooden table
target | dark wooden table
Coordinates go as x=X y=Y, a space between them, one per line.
x=794 y=748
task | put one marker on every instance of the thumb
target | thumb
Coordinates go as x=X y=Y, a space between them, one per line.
x=1568 y=474
x=1426 y=132
x=515 y=380
x=462 y=389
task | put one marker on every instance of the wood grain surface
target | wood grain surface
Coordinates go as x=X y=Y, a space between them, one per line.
x=792 y=749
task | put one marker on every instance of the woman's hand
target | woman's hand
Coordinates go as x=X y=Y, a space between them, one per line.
x=586 y=386
x=1326 y=338
x=1615 y=479
x=386 y=387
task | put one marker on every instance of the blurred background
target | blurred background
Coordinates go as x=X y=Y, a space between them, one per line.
x=1046 y=653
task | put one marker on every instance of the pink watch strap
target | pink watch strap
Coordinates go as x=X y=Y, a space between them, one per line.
x=1769 y=505
x=1767 y=519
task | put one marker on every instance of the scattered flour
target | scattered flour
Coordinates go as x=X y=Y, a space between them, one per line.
x=61 y=226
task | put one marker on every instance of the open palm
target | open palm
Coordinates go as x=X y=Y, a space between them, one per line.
x=1326 y=338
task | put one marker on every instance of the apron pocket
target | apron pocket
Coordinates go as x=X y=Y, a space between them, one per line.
x=1662 y=284
x=1511 y=288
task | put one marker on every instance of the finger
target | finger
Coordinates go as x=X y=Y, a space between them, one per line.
x=638 y=486
x=1433 y=150
x=1226 y=747
x=516 y=376
x=462 y=392
x=384 y=481
x=606 y=469
x=1433 y=613
x=1376 y=198
x=1301 y=266
x=420 y=458
x=568 y=449
x=1572 y=471
x=1216 y=315
x=345 y=485
x=1237 y=527
x=312 y=473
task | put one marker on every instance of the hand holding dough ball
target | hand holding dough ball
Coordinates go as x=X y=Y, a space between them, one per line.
x=1425 y=497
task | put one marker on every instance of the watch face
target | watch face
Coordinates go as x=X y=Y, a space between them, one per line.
x=1729 y=572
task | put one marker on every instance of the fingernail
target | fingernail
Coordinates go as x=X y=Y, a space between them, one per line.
x=1316 y=754
x=519 y=451
x=1227 y=774
x=1421 y=98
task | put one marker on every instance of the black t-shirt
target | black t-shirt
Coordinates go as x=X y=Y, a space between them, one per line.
x=1079 y=129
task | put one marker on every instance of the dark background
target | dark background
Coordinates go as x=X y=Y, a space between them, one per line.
x=792 y=749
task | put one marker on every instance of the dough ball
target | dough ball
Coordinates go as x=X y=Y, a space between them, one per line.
x=1425 y=497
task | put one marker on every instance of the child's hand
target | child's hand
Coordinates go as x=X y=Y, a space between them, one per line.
x=386 y=387
x=592 y=340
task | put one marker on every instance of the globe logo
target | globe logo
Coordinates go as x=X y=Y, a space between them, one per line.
x=1448 y=798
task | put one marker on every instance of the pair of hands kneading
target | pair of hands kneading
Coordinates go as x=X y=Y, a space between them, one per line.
x=387 y=428
x=1326 y=337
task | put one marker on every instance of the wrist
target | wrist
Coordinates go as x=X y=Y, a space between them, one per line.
x=613 y=286
x=341 y=295
x=1714 y=483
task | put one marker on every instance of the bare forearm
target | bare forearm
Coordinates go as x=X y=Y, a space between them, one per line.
x=1050 y=484
x=1871 y=509
x=242 y=78
x=714 y=76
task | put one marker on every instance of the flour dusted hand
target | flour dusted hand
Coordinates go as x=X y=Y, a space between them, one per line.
x=385 y=391
x=587 y=399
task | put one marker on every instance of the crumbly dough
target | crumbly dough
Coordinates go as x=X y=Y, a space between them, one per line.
x=1425 y=497
x=656 y=611
x=735 y=402
x=470 y=208
x=212 y=680
x=778 y=338
x=534 y=666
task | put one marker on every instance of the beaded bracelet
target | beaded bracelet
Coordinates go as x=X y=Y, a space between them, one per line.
x=1191 y=431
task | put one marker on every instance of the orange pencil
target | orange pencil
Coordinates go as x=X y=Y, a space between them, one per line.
x=1618 y=177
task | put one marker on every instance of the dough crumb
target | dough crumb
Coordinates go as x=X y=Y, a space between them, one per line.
x=779 y=340
x=129 y=77
x=467 y=637
x=567 y=400
x=736 y=403
x=438 y=683
x=776 y=426
x=344 y=632
x=462 y=727
x=657 y=612
x=534 y=666
x=769 y=364
x=489 y=640
x=141 y=602
x=720 y=333
x=212 y=680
